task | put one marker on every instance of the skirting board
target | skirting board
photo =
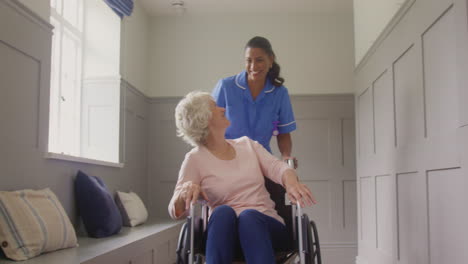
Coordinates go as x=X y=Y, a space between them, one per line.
x=361 y=260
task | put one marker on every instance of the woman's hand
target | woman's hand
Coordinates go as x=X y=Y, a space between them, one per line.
x=190 y=193
x=297 y=192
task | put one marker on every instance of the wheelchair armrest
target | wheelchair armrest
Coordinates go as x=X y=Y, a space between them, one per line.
x=298 y=229
x=296 y=212
x=197 y=221
x=202 y=204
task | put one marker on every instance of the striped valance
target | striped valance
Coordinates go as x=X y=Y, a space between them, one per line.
x=121 y=7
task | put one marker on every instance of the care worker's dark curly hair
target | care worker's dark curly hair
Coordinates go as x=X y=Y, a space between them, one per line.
x=264 y=44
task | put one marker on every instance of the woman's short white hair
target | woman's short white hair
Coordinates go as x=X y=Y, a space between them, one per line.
x=192 y=115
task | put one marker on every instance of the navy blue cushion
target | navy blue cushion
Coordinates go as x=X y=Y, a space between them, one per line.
x=100 y=214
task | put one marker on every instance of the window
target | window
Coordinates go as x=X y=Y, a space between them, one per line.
x=85 y=80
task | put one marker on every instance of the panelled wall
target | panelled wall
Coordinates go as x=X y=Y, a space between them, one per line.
x=324 y=144
x=24 y=110
x=411 y=139
x=151 y=152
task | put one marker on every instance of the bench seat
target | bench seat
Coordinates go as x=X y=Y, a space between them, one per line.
x=151 y=243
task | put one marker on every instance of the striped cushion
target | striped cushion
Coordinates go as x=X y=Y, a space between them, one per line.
x=33 y=222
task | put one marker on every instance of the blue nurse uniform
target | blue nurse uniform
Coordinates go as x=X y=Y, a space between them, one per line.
x=258 y=119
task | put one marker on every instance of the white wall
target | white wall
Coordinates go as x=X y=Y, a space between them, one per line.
x=169 y=56
x=134 y=49
x=370 y=19
x=193 y=52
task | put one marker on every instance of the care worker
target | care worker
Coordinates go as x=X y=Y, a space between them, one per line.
x=256 y=102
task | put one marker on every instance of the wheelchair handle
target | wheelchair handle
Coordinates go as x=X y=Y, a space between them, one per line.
x=290 y=162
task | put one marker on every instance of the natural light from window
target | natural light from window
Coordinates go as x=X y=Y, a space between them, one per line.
x=85 y=81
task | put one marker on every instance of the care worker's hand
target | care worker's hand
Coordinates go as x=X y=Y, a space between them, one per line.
x=190 y=193
x=298 y=193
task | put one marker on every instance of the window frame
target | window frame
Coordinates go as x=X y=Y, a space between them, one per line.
x=62 y=145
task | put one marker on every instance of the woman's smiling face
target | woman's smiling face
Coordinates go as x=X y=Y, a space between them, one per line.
x=257 y=64
x=218 y=117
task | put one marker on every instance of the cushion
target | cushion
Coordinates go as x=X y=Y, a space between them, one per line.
x=101 y=217
x=33 y=222
x=132 y=208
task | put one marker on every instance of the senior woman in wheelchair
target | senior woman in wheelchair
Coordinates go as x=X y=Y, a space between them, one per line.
x=229 y=175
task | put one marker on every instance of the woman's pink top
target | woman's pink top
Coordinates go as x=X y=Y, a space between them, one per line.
x=239 y=182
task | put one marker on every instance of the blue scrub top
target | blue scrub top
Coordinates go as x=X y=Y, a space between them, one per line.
x=254 y=118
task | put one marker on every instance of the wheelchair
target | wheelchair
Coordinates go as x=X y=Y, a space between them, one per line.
x=304 y=246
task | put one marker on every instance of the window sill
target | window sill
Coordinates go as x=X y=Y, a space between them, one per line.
x=58 y=156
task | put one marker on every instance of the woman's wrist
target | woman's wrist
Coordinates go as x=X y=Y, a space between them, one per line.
x=290 y=178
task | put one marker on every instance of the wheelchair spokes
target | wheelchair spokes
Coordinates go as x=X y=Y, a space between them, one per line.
x=311 y=245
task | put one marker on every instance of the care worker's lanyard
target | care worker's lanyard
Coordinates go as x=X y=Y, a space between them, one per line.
x=275 y=128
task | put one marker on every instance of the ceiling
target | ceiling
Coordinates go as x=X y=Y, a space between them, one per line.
x=263 y=7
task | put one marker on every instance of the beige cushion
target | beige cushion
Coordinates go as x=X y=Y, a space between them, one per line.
x=132 y=209
x=33 y=222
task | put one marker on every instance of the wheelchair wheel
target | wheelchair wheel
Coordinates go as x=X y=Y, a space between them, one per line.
x=311 y=244
x=183 y=245
x=316 y=243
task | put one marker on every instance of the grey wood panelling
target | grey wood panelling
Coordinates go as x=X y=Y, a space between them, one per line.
x=323 y=143
x=338 y=255
x=349 y=204
x=366 y=123
x=461 y=22
x=412 y=220
x=322 y=212
x=441 y=92
x=384 y=113
x=145 y=258
x=170 y=148
x=162 y=253
x=317 y=137
x=165 y=154
x=416 y=74
x=439 y=77
x=367 y=210
x=349 y=145
x=173 y=248
x=385 y=215
x=409 y=108
x=446 y=210
x=25 y=92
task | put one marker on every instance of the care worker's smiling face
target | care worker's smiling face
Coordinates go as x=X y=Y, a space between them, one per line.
x=257 y=64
